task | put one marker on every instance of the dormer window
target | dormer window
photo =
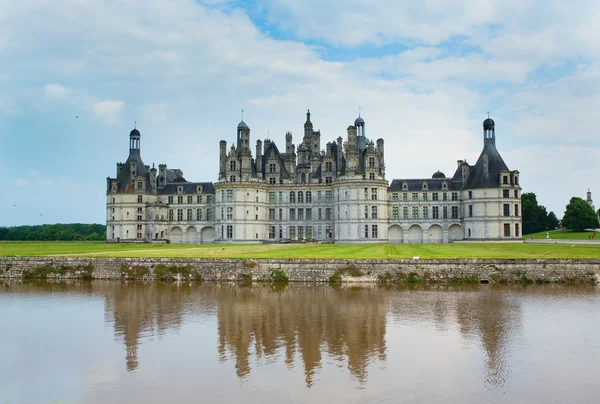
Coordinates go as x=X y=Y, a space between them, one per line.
x=516 y=180
x=404 y=186
x=505 y=179
x=179 y=190
x=199 y=189
x=424 y=185
x=444 y=185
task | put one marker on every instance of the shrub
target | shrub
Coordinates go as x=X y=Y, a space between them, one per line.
x=279 y=276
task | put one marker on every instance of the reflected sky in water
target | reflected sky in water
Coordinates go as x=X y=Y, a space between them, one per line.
x=126 y=343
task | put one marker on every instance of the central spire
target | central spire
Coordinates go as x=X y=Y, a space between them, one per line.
x=308 y=123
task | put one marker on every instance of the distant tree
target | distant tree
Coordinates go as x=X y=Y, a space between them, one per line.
x=579 y=215
x=552 y=221
x=535 y=217
x=54 y=232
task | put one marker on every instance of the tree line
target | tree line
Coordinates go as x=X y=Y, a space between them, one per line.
x=579 y=215
x=55 y=232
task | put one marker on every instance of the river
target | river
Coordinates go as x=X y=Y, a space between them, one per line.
x=108 y=342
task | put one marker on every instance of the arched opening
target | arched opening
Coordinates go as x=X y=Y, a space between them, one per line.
x=395 y=234
x=415 y=234
x=191 y=235
x=455 y=232
x=207 y=235
x=436 y=234
x=176 y=235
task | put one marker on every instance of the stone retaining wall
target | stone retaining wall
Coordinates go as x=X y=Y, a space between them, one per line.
x=306 y=270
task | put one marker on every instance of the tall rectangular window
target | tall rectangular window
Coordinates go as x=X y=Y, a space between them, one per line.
x=199 y=199
x=374 y=231
x=405 y=212
x=373 y=194
x=170 y=199
x=455 y=212
x=271 y=196
x=300 y=214
x=171 y=215
x=280 y=215
x=506 y=193
x=445 y=196
x=415 y=212
x=139 y=198
x=309 y=232
x=505 y=182
x=327 y=213
x=308 y=214
x=229 y=231
x=395 y=213
x=405 y=196
x=516 y=210
x=271 y=232
x=271 y=214
x=517 y=230
x=506 y=209
x=424 y=196
x=395 y=197
x=320 y=214
x=198 y=214
x=179 y=215
x=516 y=193
x=366 y=212
x=366 y=231
x=374 y=212
x=209 y=214
x=229 y=195
x=189 y=214
x=293 y=232
x=445 y=212
x=425 y=212
x=280 y=196
x=292 y=214
x=435 y=212
x=300 y=233
x=415 y=196
x=434 y=196
x=470 y=210
x=328 y=196
x=319 y=196
x=180 y=200
x=470 y=194
x=366 y=193
x=190 y=199
x=506 y=230
x=229 y=213
x=455 y=196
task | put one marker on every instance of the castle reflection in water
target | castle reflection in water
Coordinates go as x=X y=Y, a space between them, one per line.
x=347 y=325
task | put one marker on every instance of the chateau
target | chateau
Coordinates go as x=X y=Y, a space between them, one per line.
x=339 y=194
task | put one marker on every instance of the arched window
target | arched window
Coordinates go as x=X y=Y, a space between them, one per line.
x=292 y=197
x=303 y=178
x=300 y=197
x=308 y=197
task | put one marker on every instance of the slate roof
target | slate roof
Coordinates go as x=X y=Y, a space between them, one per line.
x=416 y=185
x=188 y=188
x=478 y=178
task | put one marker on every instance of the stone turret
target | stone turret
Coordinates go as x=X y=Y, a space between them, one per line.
x=259 y=158
x=222 y=159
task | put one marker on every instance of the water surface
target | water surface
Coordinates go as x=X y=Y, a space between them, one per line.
x=104 y=342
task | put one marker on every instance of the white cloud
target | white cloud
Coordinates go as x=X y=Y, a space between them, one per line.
x=109 y=112
x=20 y=182
x=32 y=172
x=55 y=91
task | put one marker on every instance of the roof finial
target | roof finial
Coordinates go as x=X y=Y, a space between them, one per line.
x=242 y=114
x=359 y=112
x=134 y=124
x=488 y=114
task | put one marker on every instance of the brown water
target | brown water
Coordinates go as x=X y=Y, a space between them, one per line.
x=107 y=342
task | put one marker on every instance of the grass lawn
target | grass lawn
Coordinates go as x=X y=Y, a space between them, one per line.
x=563 y=235
x=318 y=251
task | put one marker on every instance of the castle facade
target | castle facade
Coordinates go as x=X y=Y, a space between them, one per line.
x=336 y=194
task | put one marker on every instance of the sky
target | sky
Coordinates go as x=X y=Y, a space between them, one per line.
x=75 y=76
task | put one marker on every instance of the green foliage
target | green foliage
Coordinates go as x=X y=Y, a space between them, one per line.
x=134 y=271
x=42 y=272
x=413 y=277
x=552 y=221
x=579 y=215
x=164 y=272
x=279 y=276
x=55 y=232
x=350 y=270
x=534 y=216
x=464 y=280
